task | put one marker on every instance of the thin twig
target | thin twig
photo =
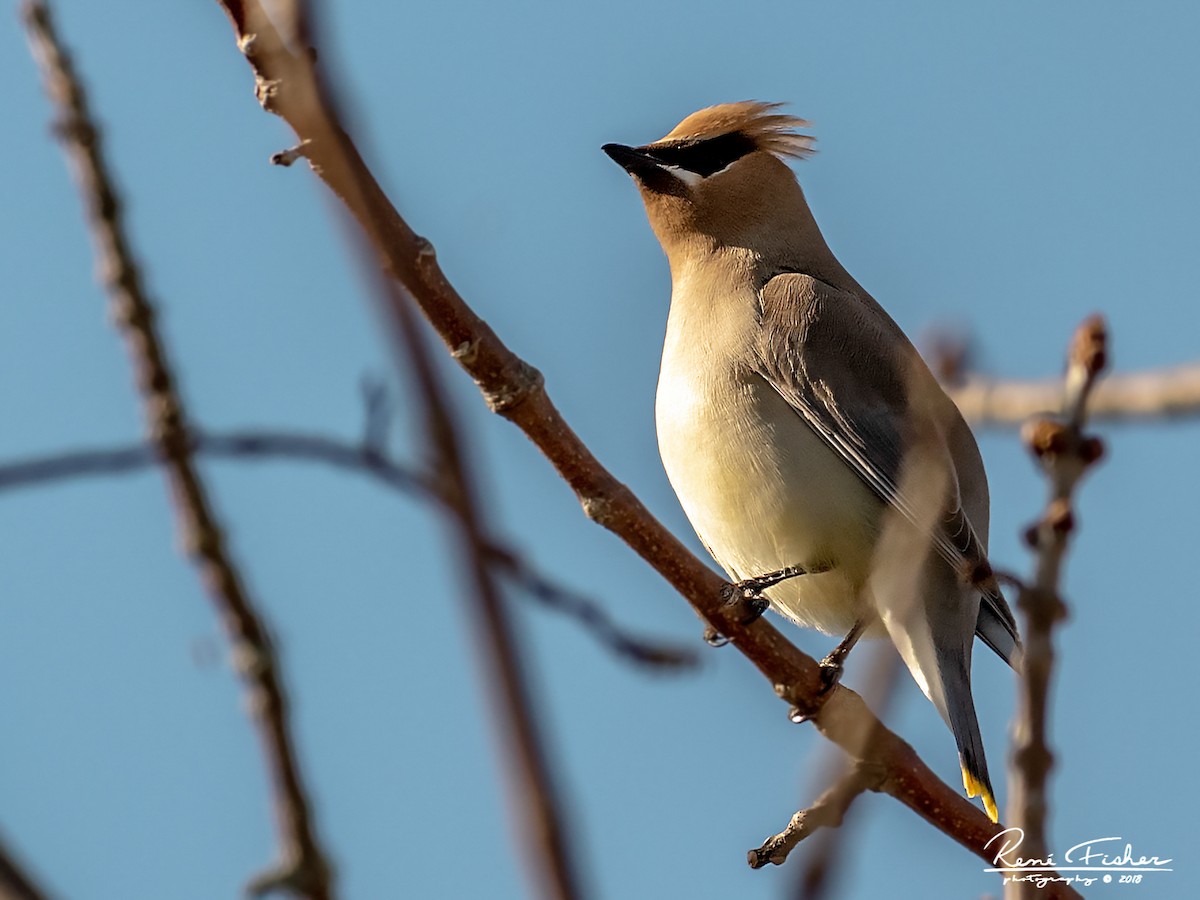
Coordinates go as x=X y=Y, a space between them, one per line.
x=591 y=615
x=1159 y=394
x=251 y=445
x=1065 y=453
x=827 y=812
x=15 y=881
x=847 y=778
x=515 y=390
x=303 y=867
x=825 y=857
x=375 y=463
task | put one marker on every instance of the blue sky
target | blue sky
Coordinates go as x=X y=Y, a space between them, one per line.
x=1007 y=169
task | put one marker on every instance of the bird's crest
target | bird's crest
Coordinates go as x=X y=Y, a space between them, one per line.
x=770 y=131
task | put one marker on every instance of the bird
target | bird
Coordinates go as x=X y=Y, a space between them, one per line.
x=797 y=423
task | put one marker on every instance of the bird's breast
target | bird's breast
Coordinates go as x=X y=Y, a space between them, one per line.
x=760 y=488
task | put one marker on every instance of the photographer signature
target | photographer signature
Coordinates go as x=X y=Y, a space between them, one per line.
x=1100 y=855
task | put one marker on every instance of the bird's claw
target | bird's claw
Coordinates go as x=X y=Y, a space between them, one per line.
x=714 y=638
x=755 y=606
x=831 y=672
x=746 y=595
x=748 y=592
x=759 y=583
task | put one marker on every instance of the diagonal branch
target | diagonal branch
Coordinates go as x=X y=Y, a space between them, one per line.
x=303 y=867
x=15 y=882
x=285 y=85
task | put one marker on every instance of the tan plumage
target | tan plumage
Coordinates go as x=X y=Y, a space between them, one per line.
x=790 y=406
x=771 y=132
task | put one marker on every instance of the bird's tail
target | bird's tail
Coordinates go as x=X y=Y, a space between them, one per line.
x=943 y=672
x=958 y=709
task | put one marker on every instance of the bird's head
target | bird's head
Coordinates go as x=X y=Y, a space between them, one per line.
x=719 y=178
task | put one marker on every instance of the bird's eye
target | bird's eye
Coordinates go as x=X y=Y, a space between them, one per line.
x=704 y=157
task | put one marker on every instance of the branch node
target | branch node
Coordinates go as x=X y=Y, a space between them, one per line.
x=523 y=381
x=1089 y=347
x=1091 y=450
x=426 y=252
x=1059 y=517
x=597 y=508
x=286 y=157
x=266 y=90
x=466 y=353
x=1045 y=437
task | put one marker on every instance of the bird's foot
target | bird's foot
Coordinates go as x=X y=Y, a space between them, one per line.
x=748 y=592
x=832 y=668
x=761 y=582
x=834 y=663
x=752 y=604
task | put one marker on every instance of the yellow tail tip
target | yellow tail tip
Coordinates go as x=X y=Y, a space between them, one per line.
x=975 y=788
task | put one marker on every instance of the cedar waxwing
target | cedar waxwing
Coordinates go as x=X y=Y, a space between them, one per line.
x=791 y=412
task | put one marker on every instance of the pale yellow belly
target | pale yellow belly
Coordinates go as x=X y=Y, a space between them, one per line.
x=764 y=492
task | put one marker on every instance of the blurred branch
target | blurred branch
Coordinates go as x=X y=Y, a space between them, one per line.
x=532 y=784
x=15 y=883
x=285 y=85
x=1065 y=454
x=1162 y=394
x=236 y=445
x=533 y=787
x=303 y=867
x=368 y=459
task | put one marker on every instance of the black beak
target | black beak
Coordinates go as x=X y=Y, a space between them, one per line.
x=635 y=162
x=646 y=168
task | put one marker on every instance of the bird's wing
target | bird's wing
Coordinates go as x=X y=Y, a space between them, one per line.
x=848 y=370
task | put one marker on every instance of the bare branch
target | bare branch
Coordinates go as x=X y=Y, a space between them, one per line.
x=1161 y=394
x=15 y=882
x=303 y=867
x=823 y=860
x=1065 y=453
x=235 y=445
x=827 y=812
x=515 y=390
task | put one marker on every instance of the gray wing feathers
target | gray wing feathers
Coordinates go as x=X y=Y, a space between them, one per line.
x=817 y=344
x=996 y=628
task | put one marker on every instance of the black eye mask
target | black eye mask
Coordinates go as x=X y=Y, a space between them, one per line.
x=704 y=157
